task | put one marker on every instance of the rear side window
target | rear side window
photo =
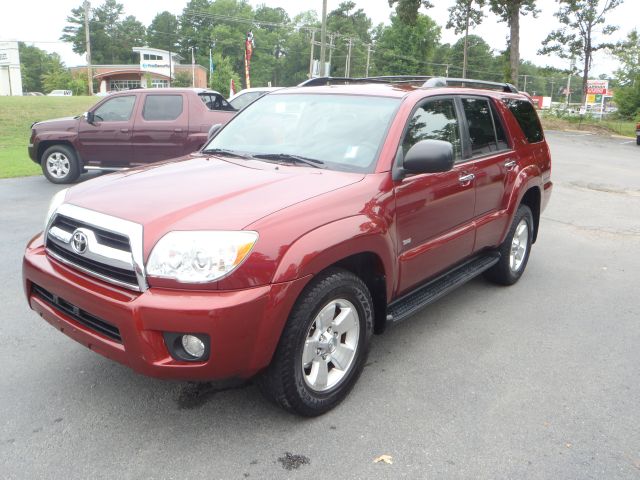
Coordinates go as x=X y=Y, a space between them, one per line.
x=435 y=120
x=526 y=116
x=485 y=130
x=162 y=107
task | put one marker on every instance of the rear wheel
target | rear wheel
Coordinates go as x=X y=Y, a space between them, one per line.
x=323 y=347
x=515 y=250
x=60 y=164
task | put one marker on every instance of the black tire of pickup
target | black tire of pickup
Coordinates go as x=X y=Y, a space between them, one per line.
x=285 y=381
x=60 y=164
x=503 y=273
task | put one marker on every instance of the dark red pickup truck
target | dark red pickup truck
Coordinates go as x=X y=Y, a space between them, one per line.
x=316 y=217
x=125 y=129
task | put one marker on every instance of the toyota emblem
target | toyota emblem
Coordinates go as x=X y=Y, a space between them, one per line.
x=79 y=242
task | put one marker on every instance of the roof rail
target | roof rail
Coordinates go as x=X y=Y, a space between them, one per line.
x=469 y=82
x=425 y=81
x=319 y=81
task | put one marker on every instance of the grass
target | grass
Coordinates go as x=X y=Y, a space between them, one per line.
x=16 y=116
x=625 y=128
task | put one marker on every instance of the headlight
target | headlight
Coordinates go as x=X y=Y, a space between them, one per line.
x=199 y=257
x=56 y=201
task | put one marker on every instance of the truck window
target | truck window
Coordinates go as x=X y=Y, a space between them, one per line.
x=215 y=102
x=162 y=107
x=435 y=120
x=482 y=131
x=116 y=109
x=527 y=118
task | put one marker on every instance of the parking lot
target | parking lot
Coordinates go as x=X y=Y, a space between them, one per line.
x=539 y=381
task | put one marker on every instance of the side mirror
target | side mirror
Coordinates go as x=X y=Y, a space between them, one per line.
x=90 y=117
x=214 y=129
x=429 y=156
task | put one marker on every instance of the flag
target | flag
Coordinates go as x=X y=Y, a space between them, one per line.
x=232 y=88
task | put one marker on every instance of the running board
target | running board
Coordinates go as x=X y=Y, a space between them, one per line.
x=419 y=298
x=106 y=169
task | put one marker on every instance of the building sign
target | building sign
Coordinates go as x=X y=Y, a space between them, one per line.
x=597 y=87
x=10 y=76
x=155 y=61
x=4 y=58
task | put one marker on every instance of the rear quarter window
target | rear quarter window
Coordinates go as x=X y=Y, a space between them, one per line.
x=527 y=118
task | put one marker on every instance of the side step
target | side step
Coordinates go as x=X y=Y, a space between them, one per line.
x=419 y=298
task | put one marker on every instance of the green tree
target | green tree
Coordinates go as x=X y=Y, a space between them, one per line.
x=465 y=14
x=407 y=10
x=57 y=77
x=112 y=37
x=402 y=49
x=627 y=52
x=480 y=59
x=182 y=79
x=34 y=62
x=509 y=11
x=222 y=75
x=163 y=32
x=353 y=27
x=628 y=99
x=582 y=22
x=297 y=47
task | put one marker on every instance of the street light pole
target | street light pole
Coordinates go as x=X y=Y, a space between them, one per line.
x=323 y=38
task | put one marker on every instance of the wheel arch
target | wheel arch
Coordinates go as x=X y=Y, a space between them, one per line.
x=532 y=198
x=45 y=144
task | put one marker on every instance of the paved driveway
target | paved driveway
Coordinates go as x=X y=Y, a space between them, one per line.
x=540 y=380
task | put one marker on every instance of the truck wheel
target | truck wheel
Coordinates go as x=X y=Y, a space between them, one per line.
x=514 y=250
x=60 y=164
x=323 y=346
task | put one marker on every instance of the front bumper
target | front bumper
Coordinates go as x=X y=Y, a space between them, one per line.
x=244 y=325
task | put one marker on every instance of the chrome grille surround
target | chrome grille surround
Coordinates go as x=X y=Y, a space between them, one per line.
x=99 y=255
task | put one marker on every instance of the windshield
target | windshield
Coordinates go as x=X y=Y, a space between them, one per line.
x=343 y=132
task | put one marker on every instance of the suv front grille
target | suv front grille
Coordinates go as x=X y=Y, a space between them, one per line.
x=81 y=316
x=104 y=270
x=99 y=245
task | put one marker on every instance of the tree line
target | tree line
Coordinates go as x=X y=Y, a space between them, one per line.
x=409 y=45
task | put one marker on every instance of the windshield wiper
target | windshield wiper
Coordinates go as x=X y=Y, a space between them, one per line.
x=224 y=151
x=312 y=162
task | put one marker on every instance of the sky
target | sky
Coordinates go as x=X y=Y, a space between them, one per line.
x=40 y=22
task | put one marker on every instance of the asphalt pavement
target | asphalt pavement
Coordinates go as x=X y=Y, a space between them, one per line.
x=536 y=381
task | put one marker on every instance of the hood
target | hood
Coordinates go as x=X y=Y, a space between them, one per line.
x=56 y=123
x=204 y=193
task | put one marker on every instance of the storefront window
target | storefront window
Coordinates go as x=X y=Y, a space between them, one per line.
x=117 y=85
x=158 y=83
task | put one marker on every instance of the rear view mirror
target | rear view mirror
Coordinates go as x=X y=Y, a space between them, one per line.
x=90 y=117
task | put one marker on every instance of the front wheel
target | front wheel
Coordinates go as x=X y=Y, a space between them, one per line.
x=60 y=164
x=323 y=347
x=515 y=250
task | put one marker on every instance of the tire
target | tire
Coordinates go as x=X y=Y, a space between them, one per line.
x=638 y=140
x=60 y=164
x=513 y=254
x=316 y=333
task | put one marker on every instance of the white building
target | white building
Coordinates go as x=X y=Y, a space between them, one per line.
x=10 y=76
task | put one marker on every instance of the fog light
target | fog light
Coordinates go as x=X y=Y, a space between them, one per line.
x=193 y=346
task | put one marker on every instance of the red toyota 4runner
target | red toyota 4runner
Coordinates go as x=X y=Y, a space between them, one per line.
x=128 y=128
x=314 y=218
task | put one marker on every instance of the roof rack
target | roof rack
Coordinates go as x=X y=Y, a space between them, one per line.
x=425 y=81
x=468 y=82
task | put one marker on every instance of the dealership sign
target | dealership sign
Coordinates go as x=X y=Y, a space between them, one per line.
x=597 y=87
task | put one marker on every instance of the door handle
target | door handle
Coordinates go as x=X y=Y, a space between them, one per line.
x=465 y=179
x=177 y=130
x=510 y=164
x=124 y=130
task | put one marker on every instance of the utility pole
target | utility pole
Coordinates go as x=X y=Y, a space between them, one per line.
x=347 y=66
x=331 y=36
x=573 y=65
x=525 y=82
x=193 y=69
x=368 y=58
x=313 y=42
x=323 y=38
x=553 y=82
x=87 y=5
